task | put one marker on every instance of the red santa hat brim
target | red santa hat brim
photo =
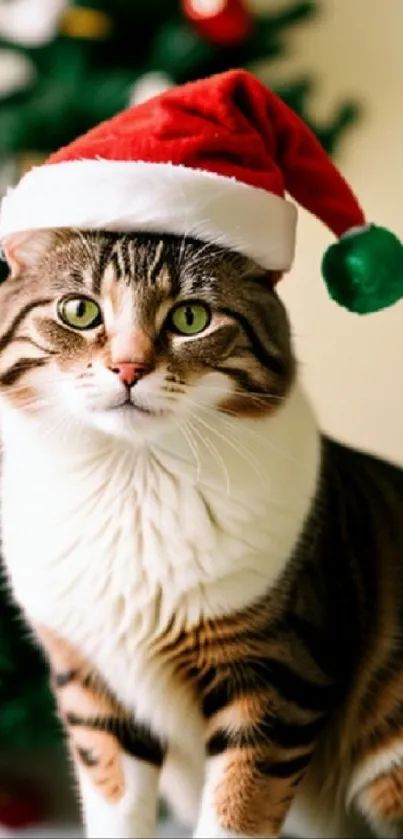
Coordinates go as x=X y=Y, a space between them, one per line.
x=155 y=198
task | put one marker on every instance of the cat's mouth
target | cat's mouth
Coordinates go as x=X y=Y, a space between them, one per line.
x=129 y=406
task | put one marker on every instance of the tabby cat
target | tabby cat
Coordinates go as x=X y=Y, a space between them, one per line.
x=217 y=586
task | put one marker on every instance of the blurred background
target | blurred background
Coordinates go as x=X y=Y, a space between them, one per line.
x=65 y=66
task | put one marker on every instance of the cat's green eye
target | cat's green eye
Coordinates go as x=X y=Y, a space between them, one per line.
x=79 y=312
x=189 y=318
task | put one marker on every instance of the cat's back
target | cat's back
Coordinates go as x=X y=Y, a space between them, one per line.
x=366 y=491
x=347 y=570
x=362 y=533
x=353 y=548
x=359 y=464
x=361 y=557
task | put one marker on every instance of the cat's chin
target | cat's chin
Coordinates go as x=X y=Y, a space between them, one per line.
x=130 y=423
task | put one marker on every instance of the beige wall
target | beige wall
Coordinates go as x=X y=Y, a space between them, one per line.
x=353 y=366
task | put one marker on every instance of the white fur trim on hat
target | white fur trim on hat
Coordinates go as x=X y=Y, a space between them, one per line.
x=155 y=198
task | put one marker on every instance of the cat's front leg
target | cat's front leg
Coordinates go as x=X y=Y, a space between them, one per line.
x=130 y=815
x=117 y=761
x=242 y=799
x=259 y=746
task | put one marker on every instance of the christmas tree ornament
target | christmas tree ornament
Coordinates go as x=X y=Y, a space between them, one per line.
x=30 y=23
x=21 y=806
x=82 y=22
x=17 y=72
x=222 y=22
x=228 y=145
x=149 y=85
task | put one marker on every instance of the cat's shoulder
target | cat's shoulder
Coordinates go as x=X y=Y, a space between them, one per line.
x=356 y=464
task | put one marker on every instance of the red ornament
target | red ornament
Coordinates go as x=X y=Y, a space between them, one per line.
x=20 y=806
x=222 y=22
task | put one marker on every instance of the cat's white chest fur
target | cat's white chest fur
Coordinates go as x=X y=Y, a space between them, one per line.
x=105 y=542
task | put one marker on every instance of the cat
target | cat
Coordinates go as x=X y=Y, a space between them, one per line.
x=217 y=586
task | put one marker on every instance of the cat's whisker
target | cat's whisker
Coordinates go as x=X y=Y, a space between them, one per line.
x=187 y=432
x=182 y=250
x=49 y=429
x=264 y=439
x=255 y=395
x=214 y=452
x=203 y=254
x=245 y=429
x=237 y=444
x=39 y=403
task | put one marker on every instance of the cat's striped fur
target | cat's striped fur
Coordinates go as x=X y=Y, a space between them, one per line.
x=260 y=671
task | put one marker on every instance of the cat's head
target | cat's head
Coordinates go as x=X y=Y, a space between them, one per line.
x=132 y=333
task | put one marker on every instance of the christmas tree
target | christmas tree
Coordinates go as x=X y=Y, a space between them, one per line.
x=67 y=66
x=64 y=67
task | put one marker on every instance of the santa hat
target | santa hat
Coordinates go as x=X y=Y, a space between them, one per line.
x=213 y=160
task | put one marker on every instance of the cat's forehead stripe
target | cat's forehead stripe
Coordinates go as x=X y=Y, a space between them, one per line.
x=106 y=248
x=117 y=263
x=125 y=259
x=157 y=264
x=87 y=277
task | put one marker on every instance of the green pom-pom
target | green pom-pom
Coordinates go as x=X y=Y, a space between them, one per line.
x=364 y=270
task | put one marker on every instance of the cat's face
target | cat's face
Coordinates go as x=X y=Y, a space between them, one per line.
x=133 y=333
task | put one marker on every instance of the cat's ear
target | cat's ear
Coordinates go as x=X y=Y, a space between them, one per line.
x=24 y=250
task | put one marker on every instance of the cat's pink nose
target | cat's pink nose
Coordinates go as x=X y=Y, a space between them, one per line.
x=129 y=372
